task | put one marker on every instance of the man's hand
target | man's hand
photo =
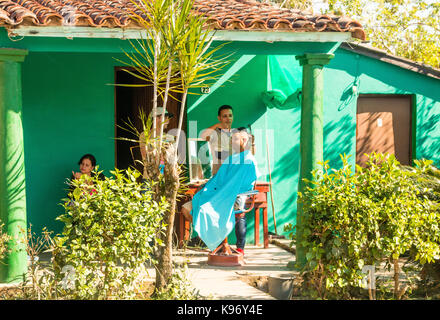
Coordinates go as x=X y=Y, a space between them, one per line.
x=208 y=131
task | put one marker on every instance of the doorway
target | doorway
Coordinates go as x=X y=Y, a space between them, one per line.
x=383 y=124
x=128 y=103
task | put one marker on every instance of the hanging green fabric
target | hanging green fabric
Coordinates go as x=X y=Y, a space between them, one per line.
x=283 y=83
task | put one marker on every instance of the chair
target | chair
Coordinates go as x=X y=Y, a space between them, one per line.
x=224 y=255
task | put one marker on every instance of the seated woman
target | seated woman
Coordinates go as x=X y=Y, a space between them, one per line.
x=87 y=164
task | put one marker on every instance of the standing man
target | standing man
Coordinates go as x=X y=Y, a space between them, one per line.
x=219 y=136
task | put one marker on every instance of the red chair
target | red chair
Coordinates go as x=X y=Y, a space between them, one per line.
x=224 y=255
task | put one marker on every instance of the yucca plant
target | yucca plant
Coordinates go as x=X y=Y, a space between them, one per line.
x=175 y=57
x=197 y=65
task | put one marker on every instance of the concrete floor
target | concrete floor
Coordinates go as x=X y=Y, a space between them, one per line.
x=226 y=283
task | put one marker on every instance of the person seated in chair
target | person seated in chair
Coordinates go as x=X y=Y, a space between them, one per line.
x=212 y=208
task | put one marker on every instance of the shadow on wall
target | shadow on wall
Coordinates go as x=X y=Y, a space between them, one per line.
x=16 y=182
x=232 y=88
x=338 y=139
x=382 y=78
x=283 y=101
x=349 y=95
x=286 y=171
x=428 y=135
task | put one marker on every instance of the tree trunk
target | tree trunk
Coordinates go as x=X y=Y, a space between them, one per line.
x=164 y=268
x=396 y=278
x=398 y=291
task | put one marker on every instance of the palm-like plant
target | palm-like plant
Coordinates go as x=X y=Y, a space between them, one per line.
x=197 y=64
x=175 y=57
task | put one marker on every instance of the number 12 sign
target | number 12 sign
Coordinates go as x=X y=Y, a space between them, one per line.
x=205 y=90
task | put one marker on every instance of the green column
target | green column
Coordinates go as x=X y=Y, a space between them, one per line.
x=12 y=178
x=312 y=132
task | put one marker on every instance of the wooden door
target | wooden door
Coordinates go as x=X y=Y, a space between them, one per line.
x=383 y=124
x=128 y=103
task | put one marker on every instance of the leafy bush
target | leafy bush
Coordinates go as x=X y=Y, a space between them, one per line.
x=352 y=219
x=40 y=281
x=111 y=229
x=4 y=238
x=179 y=287
x=427 y=178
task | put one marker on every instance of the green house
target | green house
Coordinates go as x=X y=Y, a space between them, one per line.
x=295 y=79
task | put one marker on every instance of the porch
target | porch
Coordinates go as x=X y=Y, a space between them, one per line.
x=64 y=86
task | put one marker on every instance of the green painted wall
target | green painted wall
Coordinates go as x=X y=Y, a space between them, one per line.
x=68 y=110
x=375 y=77
x=426 y=92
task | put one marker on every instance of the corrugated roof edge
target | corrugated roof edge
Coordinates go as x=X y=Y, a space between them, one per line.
x=382 y=55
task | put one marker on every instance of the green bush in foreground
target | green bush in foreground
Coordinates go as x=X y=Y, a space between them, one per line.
x=352 y=219
x=111 y=229
x=4 y=239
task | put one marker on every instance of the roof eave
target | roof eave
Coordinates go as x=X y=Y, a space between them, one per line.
x=219 y=35
x=401 y=62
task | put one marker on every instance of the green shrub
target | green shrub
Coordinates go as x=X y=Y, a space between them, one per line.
x=4 y=239
x=40 y=282
x=352 y=219
x=179 y=287
x=427 y=178
x=111 y=229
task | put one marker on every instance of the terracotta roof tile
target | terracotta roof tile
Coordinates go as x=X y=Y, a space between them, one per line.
x=220 y=14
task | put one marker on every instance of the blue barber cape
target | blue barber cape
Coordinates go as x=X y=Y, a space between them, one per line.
x=213 y=206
